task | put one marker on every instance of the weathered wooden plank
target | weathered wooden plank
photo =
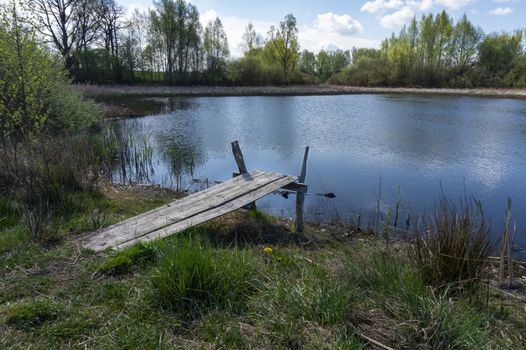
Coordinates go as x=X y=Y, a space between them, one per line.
x=294 y=187
x=181 y=203
x=108 y=238
x=212 y=213
x=140 y=227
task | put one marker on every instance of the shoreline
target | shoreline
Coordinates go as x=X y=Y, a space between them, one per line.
x=106 y=91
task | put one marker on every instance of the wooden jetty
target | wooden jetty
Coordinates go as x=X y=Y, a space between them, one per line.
x=241 y=191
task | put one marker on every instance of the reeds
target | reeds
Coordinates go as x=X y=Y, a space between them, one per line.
x=453 y=249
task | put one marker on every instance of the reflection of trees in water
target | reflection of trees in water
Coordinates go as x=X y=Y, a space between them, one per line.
x=182 y=158
x=175 y=104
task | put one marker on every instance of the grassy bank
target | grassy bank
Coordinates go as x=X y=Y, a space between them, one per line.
x=217 y=286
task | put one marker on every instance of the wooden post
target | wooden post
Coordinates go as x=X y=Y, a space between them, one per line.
x=300 y=196
x=238 y=156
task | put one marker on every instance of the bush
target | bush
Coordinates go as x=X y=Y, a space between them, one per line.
x=191 y=277
x=51 y=169
x=455 y=247
x=516 y=78
x=365 y=72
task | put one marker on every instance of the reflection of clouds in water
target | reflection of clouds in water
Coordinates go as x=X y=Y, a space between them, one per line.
x=415 y=142
x=432 y=167
x=488 y=172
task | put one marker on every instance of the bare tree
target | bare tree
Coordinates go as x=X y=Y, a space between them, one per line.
x=57 y=19
x=88 y=23
x=110 y=12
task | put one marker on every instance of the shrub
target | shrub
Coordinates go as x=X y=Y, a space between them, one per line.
x=365 y=72
x=454 y=248
x=192 y=277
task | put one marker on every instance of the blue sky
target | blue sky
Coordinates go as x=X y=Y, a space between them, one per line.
x=345 y=24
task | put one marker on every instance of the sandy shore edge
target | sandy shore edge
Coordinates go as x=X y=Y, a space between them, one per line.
x=303 y=90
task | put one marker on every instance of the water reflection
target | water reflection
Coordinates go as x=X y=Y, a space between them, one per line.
x=416 y=143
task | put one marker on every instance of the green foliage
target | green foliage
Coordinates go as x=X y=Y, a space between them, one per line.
x=25 y=72
x=365 y=72
x=33 y=312
x=436 y=52
x=34 y=91
x=123 y=261
x=192 y=277
x=282 y=46
x=516 y=77
x=216 y=50
x=498 y=52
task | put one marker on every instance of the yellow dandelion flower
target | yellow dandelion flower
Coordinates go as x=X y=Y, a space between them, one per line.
x=267 y=250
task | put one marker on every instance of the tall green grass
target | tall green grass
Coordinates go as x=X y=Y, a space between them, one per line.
x=426 y=315
x=192 y=277
x=453 y=250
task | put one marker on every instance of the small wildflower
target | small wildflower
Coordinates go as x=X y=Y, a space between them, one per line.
x=267 y=250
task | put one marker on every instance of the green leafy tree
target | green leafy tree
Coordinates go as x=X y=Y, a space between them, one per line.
x=307 y=62
x=25 y=70
x=498 y=52
x=251 y=41
x=465 y=42
x=282 y=46
x=216 y=49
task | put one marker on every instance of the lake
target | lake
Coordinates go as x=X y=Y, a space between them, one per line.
x=366 y=149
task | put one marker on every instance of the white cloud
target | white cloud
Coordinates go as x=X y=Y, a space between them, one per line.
x=420 y=5
x=397 y=18
x=234 y=28
x=333 y=23
x=454 y=4
x=208 y=16
x=312 y=39
x=416 y=5
x=381 y=5
x=394 y=13
x=328 y=30
x=501 y=11
x=332 y=31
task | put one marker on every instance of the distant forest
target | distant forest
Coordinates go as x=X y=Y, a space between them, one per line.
x=167 y=44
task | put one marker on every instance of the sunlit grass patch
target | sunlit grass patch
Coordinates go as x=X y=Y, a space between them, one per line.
x=192 y=277
x=122 y=261
x=31 y=313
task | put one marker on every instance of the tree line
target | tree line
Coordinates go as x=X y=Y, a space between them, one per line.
x=437 y=52
x=167 y=44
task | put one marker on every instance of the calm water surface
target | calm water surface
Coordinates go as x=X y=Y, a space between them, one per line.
x=361 y=145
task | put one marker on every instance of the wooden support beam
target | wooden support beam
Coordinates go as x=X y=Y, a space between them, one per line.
x=238 y=156
x=293 y=187
x=300 y=196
